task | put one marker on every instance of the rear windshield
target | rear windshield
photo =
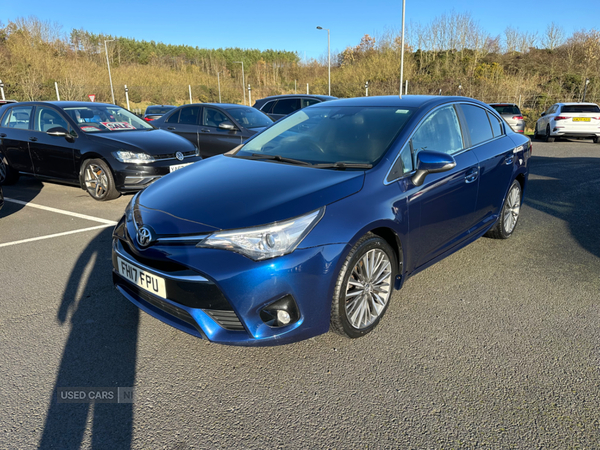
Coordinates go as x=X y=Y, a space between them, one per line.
x=507 y=109
x=580 y=109
x=250 y=117
x=158 y=109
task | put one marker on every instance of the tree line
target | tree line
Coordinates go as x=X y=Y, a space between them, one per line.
x=451 y=55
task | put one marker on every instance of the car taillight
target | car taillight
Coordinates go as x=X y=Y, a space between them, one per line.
x=517 y=117
x=561 y=118
x=596 y=118
x=148 y=119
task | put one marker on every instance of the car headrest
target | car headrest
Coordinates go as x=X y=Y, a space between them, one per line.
x=86 y=113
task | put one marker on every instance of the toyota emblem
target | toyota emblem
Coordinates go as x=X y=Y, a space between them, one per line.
x=179 y=156
x=144 y=237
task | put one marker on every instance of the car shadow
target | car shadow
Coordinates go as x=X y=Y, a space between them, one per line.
x=100 y=352
x=569 y=189
x=17 y=195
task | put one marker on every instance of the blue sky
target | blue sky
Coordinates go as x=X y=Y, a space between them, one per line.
x=283 y=25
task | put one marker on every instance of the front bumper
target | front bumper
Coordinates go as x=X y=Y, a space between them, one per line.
x=134 y=177
x=226 y=307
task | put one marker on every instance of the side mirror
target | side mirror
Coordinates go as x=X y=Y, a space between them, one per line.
x=543 y=114
x=431 y=162
x=60 y=131
x=227 y=126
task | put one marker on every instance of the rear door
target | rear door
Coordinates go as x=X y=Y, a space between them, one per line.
x=15 y=132
x=185 y=123
x=494 y=150
x=52 y=156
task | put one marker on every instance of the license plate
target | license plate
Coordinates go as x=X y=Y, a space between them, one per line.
x=177 y=167
x=581 y=119
x=141 y=278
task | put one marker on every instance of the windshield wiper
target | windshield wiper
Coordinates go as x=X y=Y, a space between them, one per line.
x=340 y=165
x=279 y=158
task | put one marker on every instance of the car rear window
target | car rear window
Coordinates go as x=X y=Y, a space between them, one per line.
x=507 y=109
x=158 y=110
x=580 y=109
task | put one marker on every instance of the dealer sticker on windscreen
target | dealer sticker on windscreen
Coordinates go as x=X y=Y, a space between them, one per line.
x=141 y=278
x=114 y=126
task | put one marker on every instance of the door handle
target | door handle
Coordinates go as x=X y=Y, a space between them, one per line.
x=471 y=175
x=171 y=128
x=204 y=130
x=33 y=138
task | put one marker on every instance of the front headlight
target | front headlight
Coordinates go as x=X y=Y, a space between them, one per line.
x=267 y=241
x=132 y=157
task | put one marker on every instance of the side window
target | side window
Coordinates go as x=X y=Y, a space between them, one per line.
x=19 y=117
x=308 y=101
x=268 y=107
x=496 y=126
x=212 y=118
x=189 y=115
x=403 y=164
x=287 y=106
x=6 y=118
x=478 y=124
x=440 y=131
x=173 y=118
x=48 y=118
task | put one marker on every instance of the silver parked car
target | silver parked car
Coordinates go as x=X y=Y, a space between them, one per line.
x=511 y=114
x=571 y=120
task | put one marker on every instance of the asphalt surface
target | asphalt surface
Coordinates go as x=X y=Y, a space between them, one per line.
x=497 y=346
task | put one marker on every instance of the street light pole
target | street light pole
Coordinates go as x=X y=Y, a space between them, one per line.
x=219 y=84
x=402 y=50
x=587 y=81
x=328 y=58
x=108 y=64
x=243 y=79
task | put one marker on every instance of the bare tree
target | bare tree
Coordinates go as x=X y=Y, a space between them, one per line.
x=554 y=36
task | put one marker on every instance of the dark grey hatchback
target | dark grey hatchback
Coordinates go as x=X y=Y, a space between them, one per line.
x=215 y=128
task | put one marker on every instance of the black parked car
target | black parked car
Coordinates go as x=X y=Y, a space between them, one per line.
x=214 y=127
x=153 y=112
x=103 y=148
x=278 y=106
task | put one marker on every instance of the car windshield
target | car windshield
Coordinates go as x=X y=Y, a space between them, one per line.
x=98 y=118
x=250 y=117
x=331 y=134
x=507 y=109
x=159 y=109
x=580 y=109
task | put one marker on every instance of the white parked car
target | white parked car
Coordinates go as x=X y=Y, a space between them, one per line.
x=569 y=120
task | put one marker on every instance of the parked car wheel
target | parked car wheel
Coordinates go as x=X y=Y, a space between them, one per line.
x=509 y=216
x=98 y=180
x=364 y=287
x=8 y=175
x=548 y=137
x=596 y=140
x=536 y=135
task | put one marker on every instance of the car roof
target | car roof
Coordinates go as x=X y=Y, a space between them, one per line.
x=576 y=103
x=321 y=97
x=65 y=104
x=415 y=101
x=503 y=104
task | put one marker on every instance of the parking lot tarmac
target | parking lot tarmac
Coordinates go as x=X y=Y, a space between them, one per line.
x=497 y=346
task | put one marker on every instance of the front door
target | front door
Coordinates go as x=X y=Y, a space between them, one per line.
x=213 y=140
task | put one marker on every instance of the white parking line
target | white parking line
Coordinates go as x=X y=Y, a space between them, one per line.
x=49 y=236
x=60 y=211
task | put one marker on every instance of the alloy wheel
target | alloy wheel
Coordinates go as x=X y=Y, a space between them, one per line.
x=368 y=289
x=96 y=180
x=512 y=208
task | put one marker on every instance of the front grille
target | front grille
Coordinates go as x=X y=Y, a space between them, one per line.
x=227 y=319
x=172 y=155
x=158 y=264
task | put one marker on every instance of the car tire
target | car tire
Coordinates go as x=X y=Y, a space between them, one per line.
x=536 y=135
x=364 y=287
x=98 y=180
x=596 y=140
x=8 y=175
x=509 y=216
x=548 y=137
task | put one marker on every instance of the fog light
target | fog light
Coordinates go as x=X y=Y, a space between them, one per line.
x=280 y=313
x=283 y=317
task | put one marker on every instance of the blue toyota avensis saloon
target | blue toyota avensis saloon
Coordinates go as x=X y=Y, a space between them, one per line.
x=312 y=223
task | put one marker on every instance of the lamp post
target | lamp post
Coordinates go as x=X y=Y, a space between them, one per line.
x=402 y=50
x=108 y=64
x=587 y=81
x=328 y=57
x=243 y=79
x=219 y=84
